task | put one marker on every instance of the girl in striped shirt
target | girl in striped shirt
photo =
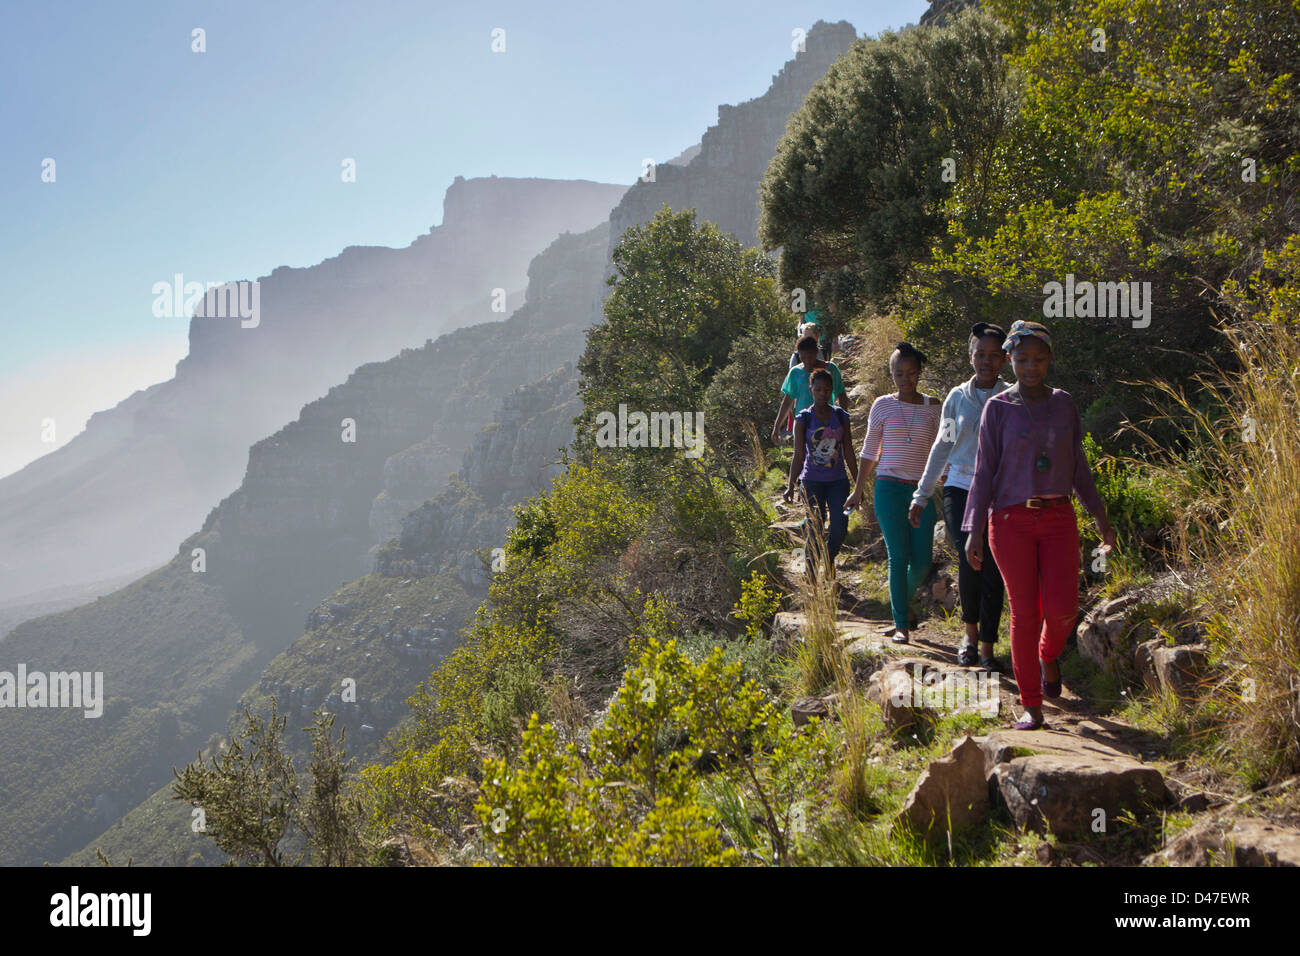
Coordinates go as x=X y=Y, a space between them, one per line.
x=900 y=431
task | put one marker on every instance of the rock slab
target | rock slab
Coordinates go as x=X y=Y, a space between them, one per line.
x=950 y=794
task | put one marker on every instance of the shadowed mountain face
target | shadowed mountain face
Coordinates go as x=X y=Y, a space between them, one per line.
x=383 y=631
x=722 y=177
x=142 y=475
x=179 y=646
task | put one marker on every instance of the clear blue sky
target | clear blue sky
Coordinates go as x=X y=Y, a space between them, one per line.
x=225 y=164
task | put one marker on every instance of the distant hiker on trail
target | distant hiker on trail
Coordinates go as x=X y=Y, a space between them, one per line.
x=823 y=445
x=1028 y=461
x=954 y=448
x=797 y=387
x=900 y=430
x=813 y=329
x=811 y=324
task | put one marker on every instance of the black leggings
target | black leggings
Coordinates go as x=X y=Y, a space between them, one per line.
x=980 y=591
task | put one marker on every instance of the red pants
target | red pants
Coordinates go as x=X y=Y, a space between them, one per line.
x=1037 y=551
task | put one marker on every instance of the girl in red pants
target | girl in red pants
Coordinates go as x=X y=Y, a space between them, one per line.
x=1029 y=459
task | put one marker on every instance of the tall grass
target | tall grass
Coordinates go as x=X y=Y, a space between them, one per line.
x=823 y=663
x=1237 y=475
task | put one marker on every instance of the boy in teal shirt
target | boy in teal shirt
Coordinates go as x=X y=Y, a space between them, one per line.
x=797 y=390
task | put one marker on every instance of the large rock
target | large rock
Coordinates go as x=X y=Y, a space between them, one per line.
x=1058 y=782
x=1104 y=628
x=940 y=591
x=1247 y=841
x=1178 y=669
x=859 y=637
x=1260 y=843
x=950 y=794
x=805 y=709
x=912 y=687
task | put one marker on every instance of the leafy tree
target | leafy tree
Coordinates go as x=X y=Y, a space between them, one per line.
x=251 y=799
x=329 y=814
x=741 y=401
x=852 y=195
x=682 y=294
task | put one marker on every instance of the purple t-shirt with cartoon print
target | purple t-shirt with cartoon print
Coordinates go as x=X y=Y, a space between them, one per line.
x=823 y=459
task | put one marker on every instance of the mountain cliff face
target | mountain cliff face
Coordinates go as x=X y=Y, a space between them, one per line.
x=721 y=181
x=142 y=475
x=941 y=11
x=276 y=548
x=511 y=460
x=382 y=632
x=306 y=516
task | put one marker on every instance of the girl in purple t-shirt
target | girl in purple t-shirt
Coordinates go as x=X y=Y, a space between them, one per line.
x=1028 y=461
x=823 y=443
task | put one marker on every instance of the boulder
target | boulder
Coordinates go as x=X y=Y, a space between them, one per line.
x=1058 y=782
x=909 y=687
x=806 y=708
x=1257 y=842
x=1104 y=628
x=1247 y=841
x=940 y=592
x=787 y=631
x=1178 y=669
x=891 y=689
x=951 y=793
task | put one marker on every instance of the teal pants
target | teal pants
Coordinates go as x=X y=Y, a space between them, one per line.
x=910 y=549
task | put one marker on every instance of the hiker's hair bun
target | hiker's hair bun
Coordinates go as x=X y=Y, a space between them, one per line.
x=907 y=350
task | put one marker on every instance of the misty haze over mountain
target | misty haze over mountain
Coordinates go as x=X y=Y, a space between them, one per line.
x=143 y=474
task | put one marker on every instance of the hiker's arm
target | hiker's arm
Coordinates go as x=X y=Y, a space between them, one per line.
x=796 y=462
x=937 y=460
x=780 y=415
x=871 y=448
x=988 y=455
x=846 y=449
x=1086 y=487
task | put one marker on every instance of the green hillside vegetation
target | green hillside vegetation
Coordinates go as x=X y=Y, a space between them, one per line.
x=156 y=703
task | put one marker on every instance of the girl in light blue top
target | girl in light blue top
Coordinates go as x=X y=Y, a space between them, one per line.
x=954 y=448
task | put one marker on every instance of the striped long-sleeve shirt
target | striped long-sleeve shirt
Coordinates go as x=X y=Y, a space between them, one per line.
x=899 y=436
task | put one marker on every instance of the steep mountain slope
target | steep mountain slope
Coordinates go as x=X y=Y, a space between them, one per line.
x=721 y=180
x=368 y=644
x=142 y=475
x=315 y=510
x=296 y=528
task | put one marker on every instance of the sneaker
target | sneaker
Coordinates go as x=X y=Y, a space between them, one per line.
x=968 y=655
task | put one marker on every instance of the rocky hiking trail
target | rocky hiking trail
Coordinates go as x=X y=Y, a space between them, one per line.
x=1085 y=776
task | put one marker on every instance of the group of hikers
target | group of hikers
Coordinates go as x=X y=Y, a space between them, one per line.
x=1010 y=457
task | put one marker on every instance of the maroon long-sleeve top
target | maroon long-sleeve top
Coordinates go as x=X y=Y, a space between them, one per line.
x=1012 y=436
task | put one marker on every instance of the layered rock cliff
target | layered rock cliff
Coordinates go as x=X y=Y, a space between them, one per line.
x=142 y=474
x=178 y=647
x=721 y=181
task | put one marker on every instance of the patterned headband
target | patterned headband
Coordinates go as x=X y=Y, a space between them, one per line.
x=1021 y=330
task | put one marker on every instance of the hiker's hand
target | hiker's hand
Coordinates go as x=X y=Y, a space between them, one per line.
x=788 y=496
x=975 y=551
x=853 y=501
x=914 y=515
x=1108 y=537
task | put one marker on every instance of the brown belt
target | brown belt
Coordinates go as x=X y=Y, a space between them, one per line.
x=1033 y=504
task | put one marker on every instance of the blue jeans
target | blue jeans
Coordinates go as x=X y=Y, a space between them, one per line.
x=830 y=495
